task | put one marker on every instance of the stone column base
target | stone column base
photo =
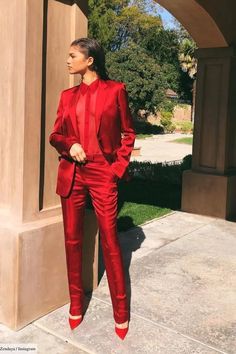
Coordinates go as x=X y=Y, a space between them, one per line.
x=33 y=274
x=208 y=194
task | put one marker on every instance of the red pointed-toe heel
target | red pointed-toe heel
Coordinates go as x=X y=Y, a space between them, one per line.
x=74 y=311
x=121 y=332
x=74 y=322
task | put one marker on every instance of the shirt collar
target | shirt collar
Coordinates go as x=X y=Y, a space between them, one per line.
x=92 y=87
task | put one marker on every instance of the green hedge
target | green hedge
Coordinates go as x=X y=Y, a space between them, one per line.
x=169 y=172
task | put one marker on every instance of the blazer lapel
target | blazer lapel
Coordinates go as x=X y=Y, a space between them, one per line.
x=100 y=101
x=72 y=110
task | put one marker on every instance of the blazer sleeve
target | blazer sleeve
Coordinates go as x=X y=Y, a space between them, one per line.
x=121 y=163
x=57 y=139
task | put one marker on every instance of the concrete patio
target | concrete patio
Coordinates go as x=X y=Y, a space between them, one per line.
x=181 y=278
x=161 y=148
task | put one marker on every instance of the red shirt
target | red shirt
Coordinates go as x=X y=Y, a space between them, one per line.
x=85 y=112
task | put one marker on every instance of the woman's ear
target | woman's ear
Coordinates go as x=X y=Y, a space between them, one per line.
x=90 y=60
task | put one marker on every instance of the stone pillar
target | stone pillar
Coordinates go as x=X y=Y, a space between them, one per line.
x=210 y=187
x=33 y=274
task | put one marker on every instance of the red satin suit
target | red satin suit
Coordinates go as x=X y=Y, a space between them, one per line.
x=98 y=117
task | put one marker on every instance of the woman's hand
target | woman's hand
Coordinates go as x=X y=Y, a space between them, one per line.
x=77 y=153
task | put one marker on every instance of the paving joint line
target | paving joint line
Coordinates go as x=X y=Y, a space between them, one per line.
x=63 y=338
x=171 y=241
x=159 y=218
x=184 y=235
x=147 y=222
x=170 y=329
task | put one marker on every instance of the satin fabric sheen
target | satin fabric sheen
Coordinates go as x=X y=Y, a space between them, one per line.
x=96 y=178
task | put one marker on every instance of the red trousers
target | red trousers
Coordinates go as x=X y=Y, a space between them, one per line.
x=96 y=178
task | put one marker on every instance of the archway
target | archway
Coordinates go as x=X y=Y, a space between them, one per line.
x=210 y=187
x=197 y=21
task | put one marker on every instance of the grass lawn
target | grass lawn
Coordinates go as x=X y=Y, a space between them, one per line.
x=143 y=200
x=186 y=140
x=133 y=214
x=143 y=136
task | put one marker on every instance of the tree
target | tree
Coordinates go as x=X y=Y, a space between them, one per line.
x=143 y=77
x=118 y=23
x=103 y=21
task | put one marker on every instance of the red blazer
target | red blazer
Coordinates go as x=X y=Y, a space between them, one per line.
x=113 y=117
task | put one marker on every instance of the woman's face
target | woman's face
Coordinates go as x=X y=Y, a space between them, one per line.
x=77 y=62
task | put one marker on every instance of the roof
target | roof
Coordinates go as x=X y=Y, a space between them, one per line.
x=171 y=93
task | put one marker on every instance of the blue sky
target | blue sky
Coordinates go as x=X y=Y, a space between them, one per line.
x=155 y=9
x=167 y=18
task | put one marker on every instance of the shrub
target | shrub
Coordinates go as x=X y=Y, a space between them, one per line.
x=143 y=127
x=169 y=173
x=166 y=121
x=186 y=127
x=187 y=163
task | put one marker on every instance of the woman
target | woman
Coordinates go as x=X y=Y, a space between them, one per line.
x=94 y=157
